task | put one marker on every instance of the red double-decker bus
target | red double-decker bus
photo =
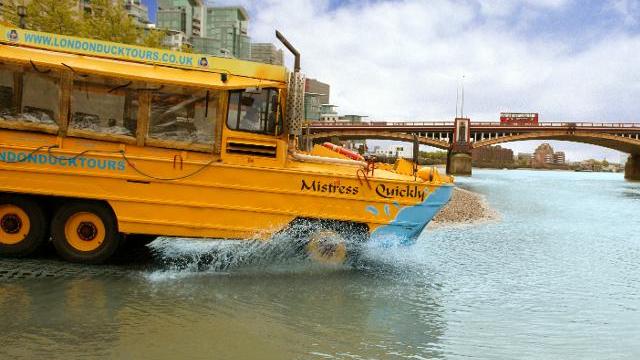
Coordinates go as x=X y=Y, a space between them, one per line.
x=518 y=118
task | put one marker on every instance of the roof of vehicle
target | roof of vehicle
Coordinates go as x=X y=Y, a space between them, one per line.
x=135 y=62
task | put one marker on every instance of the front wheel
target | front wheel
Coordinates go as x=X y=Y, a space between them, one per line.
x=85 y=232
x=330 y=242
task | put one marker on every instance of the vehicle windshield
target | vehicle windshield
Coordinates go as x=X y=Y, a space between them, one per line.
x=254 y=111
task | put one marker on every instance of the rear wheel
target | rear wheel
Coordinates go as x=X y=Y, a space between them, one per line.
x=23 y=226
x=85 y=232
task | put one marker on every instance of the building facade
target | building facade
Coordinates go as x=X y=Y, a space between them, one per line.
x=180 y=15
x=542 y=156
x=318 y=87
x=267 y=53
x=228 y=26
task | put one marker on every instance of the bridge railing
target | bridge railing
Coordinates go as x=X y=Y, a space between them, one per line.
x=380 y=123
x=493 y=124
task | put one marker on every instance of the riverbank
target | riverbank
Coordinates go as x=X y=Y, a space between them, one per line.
x=465 y=207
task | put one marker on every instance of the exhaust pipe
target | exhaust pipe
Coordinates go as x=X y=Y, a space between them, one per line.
x=287 y=44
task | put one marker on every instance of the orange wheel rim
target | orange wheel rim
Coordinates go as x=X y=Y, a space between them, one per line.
x=327 y=247
x=14 y=224
x=84 y=231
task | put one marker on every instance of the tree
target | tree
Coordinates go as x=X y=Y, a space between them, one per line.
x=154 y=38
x=109 y=21
x=54 y=16
x=10 y=12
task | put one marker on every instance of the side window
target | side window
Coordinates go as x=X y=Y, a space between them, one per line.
x=183 y=115
x=104 y=106
x=30 y=96
x=254 y=111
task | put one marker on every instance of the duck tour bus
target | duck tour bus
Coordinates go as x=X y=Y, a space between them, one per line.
x=104 y=143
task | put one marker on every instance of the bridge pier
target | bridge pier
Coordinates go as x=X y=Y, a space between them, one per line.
x=459 y=156
x=632 y=169
x=459 y=164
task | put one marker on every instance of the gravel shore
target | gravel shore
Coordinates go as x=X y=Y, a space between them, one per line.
x=465 y=207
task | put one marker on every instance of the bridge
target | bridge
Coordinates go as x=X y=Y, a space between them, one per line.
x=461 y=136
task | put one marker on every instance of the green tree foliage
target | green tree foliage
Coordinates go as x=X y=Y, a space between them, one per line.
x=54 y=16
x=153 y=38
x=109 y=21
x=10 y=12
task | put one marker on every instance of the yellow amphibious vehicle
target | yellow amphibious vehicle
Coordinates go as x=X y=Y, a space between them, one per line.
x=102 y=143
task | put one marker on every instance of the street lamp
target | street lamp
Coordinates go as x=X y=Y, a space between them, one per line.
x=22 y=13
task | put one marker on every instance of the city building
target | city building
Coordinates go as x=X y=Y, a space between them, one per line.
x=174 y=39
x=312 y=106
x=267 y=53
x=316 y=93
x=318 y=87
x=227 y=26
x=559 y=158
x=352 y=118
x=395 y=150
x=329 y=113
x=545 y=157
x=138 y=12
x=180 y=15
x=492 y=156
x=542 y=156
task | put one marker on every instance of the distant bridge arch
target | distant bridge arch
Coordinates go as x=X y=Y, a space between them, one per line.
x=628 y=144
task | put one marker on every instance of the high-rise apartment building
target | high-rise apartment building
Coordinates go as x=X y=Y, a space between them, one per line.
x=559 y=158
x=318 y=87
x=267 y=53
x=542 y=156
x=180 y=15
x=228 y=27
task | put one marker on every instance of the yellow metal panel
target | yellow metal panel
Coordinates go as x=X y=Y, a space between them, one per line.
x=131 y=70
x=140 y=54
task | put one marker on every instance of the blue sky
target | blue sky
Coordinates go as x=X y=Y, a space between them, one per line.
x=403 y=59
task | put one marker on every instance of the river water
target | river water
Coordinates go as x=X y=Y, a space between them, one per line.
x=557 y=277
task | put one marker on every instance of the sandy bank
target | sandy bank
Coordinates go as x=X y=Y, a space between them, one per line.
x=465 y=207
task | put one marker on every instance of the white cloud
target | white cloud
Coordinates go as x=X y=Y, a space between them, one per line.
x=402 y=60
x=628 y=9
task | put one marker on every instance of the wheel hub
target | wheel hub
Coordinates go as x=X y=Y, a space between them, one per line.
x=87 y=231
x=328 y=248
x=11 y=223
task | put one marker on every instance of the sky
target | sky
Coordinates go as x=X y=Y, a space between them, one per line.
x=396 y=60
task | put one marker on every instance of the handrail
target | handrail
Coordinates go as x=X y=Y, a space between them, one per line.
x=400 y=124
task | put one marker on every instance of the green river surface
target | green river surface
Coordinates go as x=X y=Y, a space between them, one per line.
x=556 y=277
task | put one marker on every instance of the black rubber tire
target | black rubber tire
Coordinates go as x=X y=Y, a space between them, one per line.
x=101 y=254
x=355 y=235
x=37 y=235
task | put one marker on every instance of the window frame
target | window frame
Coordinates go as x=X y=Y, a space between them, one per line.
x=18 y=70
x=214 y=97
x=88 y=134
x=278 y=120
